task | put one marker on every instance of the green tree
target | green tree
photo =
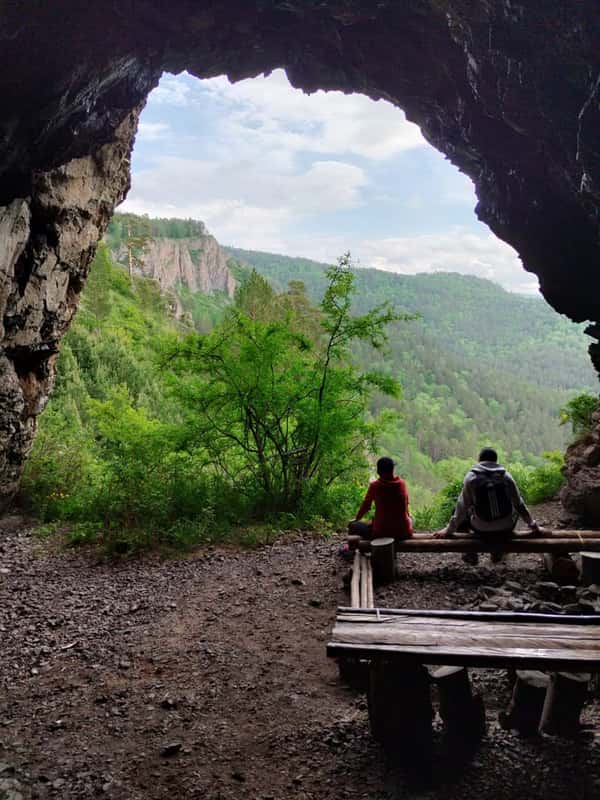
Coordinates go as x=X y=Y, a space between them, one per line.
x=578 y=412
x=138 y=237
x=283 y=415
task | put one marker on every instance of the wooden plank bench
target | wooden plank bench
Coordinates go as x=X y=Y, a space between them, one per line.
x=482 y=639
x=556 y=549
x=397 y=643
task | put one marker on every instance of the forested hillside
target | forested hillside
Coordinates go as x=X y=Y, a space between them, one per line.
x=193 y=418
x=480 y=365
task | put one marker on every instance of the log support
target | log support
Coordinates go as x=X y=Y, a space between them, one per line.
x=462 y=712
x=382 y=560
x=355 y=581
x=561 y=567
x=354 y=672
x=590 y=568
x=400 y=712
x=526 y=704
x=565 y=698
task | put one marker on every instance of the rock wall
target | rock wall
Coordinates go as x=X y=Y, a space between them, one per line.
x=199 y=263
x=509 y=90
x=48 y=241
x=581 y=495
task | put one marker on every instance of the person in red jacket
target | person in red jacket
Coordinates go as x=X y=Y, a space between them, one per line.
x=390 y=496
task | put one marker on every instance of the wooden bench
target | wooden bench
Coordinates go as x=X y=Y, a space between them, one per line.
x=397 y=643
x=522 y=542
x=557 y=542
x=555 y=547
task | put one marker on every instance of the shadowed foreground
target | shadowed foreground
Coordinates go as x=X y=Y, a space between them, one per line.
x=206 y=677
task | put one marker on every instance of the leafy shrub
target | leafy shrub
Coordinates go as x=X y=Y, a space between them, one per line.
x=539 y=484
x=578 y=412
x=439 y=512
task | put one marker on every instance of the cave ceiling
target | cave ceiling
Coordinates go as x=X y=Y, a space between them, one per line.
x=509 y=91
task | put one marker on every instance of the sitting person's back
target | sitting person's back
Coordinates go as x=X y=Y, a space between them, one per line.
x=489 y=504
x=492 y=495
x=390 y=496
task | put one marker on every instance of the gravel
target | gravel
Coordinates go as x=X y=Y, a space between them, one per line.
x=205 y=677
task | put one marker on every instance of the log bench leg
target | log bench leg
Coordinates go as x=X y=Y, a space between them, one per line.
x=565 y=698
x=561 y=567
x=527 y=702
x=462 y=713
x=382 y=560
x=354 y=672
x=401 y=714
x=590 y=568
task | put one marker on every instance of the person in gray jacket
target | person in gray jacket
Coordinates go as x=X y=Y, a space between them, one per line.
x=489 y=505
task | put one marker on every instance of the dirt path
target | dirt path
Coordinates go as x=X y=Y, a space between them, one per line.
x=206 y=677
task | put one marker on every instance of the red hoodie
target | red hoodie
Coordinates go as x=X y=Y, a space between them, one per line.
x=391 y=508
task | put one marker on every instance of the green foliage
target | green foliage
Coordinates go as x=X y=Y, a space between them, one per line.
x=439 y=512
x=468 y=376
x=204 y=310
x=120 y=224
x=280 y=410
x=578 y=412
x=129 y=456
x=538 y=484
x=269 y=418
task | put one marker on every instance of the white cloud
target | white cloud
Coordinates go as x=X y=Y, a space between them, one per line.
x=480 y=254
x=151 y=131
x=274 y=161
x=172 y=91
x=244 y=204
x=270 y=111
x=322 y=186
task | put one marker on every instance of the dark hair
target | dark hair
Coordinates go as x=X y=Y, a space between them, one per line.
x=488 y=454
x=385 y=465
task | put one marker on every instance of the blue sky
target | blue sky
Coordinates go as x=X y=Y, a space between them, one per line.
x=267 y=167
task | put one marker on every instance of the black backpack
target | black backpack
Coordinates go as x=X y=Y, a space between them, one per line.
x=492 y=500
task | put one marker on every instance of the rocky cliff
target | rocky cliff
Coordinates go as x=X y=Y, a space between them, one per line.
x=198 y=264
x=581 y=495
x=509 y=90
x=47 y=242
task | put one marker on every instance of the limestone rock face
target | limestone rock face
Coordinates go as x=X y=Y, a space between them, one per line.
x=509 y=90
x=198 y=263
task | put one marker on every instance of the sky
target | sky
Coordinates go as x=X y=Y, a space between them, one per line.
x=267 y=167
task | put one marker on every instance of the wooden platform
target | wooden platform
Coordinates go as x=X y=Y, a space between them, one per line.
x=533 y=641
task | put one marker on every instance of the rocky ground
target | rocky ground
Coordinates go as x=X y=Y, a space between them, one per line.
x=206 y=677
